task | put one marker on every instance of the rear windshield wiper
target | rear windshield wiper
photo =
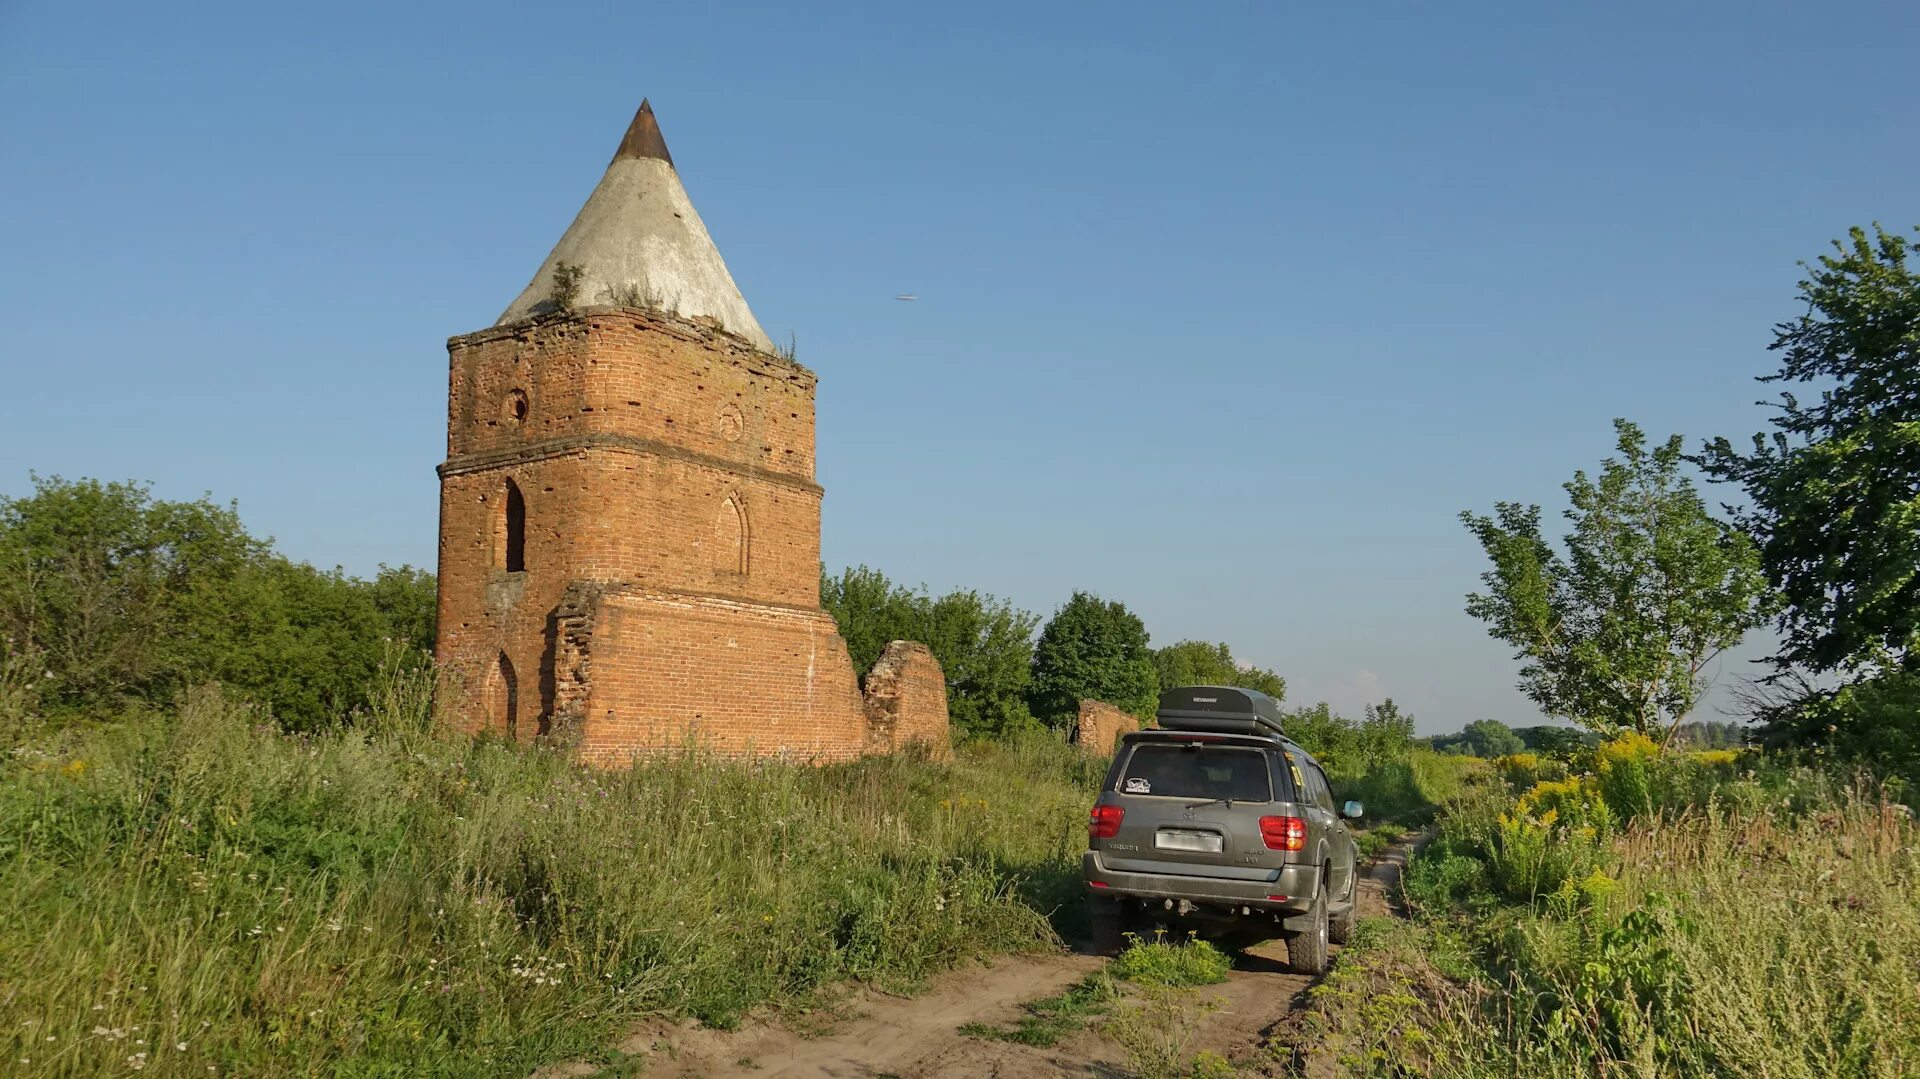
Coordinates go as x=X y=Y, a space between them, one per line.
x=1228 y=802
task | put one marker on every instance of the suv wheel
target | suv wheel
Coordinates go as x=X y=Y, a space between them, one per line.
x=1340 y=928
x=1307 y=949
x=1108 y=925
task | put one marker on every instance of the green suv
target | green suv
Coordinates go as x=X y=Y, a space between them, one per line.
x=1216 y=823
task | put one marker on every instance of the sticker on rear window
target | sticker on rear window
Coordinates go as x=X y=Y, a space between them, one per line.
x=1138 y=786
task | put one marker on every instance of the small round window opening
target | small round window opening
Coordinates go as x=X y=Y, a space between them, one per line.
x=516 y=406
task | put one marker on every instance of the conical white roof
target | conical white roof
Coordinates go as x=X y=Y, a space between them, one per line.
x=638 y=236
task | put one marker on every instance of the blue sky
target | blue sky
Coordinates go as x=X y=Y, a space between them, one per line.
x=1226 y=310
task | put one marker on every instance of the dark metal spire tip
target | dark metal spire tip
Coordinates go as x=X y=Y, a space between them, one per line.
x=643 y=138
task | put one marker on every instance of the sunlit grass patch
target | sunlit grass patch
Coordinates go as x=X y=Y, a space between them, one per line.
x=1177 y=965
x=1049 y=1020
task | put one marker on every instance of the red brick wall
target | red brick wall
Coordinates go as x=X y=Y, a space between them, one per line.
x=671 y=543
x=906 y=701
x=736 y=678
x=638 y=429
x=1101 y=726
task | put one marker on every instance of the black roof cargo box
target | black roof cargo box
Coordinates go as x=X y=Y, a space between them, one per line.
x=1219 y=710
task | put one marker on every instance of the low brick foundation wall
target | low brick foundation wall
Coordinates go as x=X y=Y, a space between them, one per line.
x=1100 y=727
x=906 y=700
x=739 y=679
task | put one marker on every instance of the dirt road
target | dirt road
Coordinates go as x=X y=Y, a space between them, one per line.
x=919 y=1037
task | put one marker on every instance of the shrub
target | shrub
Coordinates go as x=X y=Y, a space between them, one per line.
x=21 y=671
x=564 y=290
x=1441 y=879
x=1523 y=770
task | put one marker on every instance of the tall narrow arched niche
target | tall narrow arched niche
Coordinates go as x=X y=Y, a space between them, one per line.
x=730 y=536
x=510 y=531
x=503 y=698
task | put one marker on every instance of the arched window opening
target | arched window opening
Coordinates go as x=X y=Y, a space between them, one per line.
x=730 y=537
x=514 y=541
x=503 y=697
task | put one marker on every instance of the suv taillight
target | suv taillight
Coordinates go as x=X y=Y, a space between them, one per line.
x=1104 y=821
x=1284 y=833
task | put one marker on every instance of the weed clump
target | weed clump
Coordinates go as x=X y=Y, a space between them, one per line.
x=1174 y=965
x=1048 y=1020
x=564 y=290
x=1156 y=1028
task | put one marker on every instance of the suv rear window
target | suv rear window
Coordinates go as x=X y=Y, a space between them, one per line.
x=1191 y=771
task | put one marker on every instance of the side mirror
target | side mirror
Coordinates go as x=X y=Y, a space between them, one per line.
x=1352 y=811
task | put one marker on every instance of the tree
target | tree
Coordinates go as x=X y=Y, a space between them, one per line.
x=1615 y=635
x=308 y=642
x=99 y=578
x=1482 y=738
x=1096 y=649
x=1875 y=718
x=984 y=645
x=1555 y=741
x=129 y=598
x=1711 y=734
x=1321 y=731
x=1200 y=663
x=1834 y=495
x=870 y=610
x=1386 y=732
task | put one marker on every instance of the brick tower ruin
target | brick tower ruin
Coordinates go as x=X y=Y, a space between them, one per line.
x=629 y=523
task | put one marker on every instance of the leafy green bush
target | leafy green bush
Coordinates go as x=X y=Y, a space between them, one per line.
x=1410 y=788
x=1441 y=879
x=1523 y=770
x=1744 y=919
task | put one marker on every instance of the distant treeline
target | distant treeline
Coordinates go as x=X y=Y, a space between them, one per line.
x=1492 y=738
x=1002 y=678
x=1008 y=673
x=111 y=598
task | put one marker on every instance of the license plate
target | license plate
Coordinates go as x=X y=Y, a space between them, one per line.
x=1202 y=842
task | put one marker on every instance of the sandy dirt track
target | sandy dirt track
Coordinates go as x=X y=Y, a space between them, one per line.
x=919 y=1037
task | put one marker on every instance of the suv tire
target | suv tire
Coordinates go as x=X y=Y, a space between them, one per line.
x=1307 y=949
x=1340 y=927
x=1107 y=925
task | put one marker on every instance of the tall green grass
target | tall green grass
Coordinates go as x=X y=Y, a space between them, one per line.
x=205 y=895
x=1413 y=787
x=1730 y=944
x=1656 y=915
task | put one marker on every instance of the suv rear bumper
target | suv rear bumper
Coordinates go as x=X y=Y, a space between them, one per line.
x=1296 y=883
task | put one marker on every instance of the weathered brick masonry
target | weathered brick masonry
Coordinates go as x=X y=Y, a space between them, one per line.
x=907 y=700
x=630 y=541
x=1100 y=727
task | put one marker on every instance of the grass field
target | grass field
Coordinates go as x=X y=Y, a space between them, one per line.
x=200 y=894
x=1702 y=915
